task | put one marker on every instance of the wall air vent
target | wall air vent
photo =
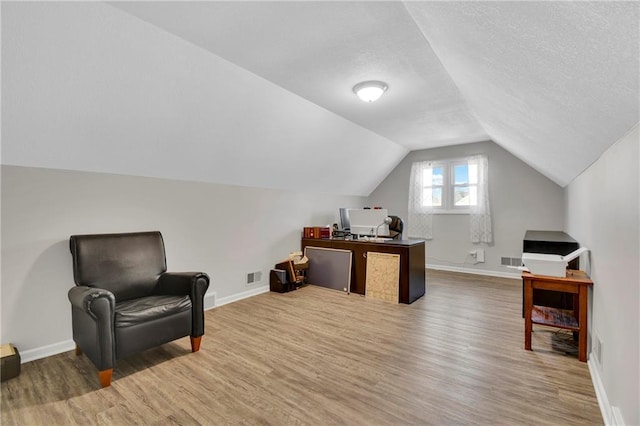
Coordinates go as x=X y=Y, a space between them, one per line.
x=253 y=278
x=511 y=261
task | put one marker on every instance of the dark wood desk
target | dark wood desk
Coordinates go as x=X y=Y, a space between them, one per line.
x=412 y=262
x=576 y=283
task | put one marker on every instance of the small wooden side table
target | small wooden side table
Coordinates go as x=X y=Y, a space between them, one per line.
x=576 y=283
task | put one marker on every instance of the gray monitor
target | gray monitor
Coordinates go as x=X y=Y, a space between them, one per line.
x=344 y=219
x=366 y=222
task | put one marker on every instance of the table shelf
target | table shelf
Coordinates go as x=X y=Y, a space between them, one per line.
x=575 y=283
x=554 y=317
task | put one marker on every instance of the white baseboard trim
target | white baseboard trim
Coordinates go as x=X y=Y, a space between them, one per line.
x=243 y=295
x=603 y=401
x=616 y=417
x=45 y=351
x=473 y=271
x=210 y=302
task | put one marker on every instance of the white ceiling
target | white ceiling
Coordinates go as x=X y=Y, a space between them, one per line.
x=86 y=86
x=253 y=93
x=320 y=50
x=555 y=83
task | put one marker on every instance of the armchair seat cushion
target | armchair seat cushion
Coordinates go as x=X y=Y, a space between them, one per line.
x=145 y=309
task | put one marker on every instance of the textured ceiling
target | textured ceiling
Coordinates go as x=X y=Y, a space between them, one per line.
x=230 y=91
x=320 y=50
x=555 y=83
x=86 y=86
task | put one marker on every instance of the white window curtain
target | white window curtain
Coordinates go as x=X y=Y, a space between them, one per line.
x=480 y=217
x=419 y=222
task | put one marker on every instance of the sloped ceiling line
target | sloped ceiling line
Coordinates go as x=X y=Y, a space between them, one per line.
x=89 y=87
x=320 y=50
x=460 y=94
x=554 y=83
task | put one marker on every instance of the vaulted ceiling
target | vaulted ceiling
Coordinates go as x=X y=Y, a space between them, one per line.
x=554 y=83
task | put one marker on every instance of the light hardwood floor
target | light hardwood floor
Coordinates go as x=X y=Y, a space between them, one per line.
x=318 y=356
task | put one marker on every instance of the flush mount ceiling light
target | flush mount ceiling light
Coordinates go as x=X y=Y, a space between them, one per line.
x=370 y=91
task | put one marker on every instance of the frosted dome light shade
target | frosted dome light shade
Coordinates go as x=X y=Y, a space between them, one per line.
x=370 y=91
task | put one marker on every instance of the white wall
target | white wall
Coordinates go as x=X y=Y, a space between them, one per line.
x=521 y=199
x=602 y=212
x=225 y=231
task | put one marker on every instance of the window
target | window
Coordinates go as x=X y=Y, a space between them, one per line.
x=450 y=186
x=433 y=185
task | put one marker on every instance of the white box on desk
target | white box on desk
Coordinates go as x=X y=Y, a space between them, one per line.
x=552 y=265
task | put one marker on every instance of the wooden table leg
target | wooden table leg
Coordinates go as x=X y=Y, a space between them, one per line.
x=582 y=321
x=528 y=307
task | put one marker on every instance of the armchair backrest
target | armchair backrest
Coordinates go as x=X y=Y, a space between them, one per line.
x=396 y=225
x=128 y=265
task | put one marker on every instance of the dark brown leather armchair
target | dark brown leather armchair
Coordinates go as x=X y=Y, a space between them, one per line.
x=125 y=302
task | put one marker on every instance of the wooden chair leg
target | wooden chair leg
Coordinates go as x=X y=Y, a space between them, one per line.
x=105 y=377
x=78 y=351
x=195 y=343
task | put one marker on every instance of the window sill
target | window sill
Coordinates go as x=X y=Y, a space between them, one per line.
x=451 y=212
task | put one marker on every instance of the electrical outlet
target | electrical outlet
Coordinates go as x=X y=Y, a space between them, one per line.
x=480 y=255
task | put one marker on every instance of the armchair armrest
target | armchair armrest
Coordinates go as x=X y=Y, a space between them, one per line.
x=92 y=314
x=194 y=284
x=96 y=302
x=183 y=283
